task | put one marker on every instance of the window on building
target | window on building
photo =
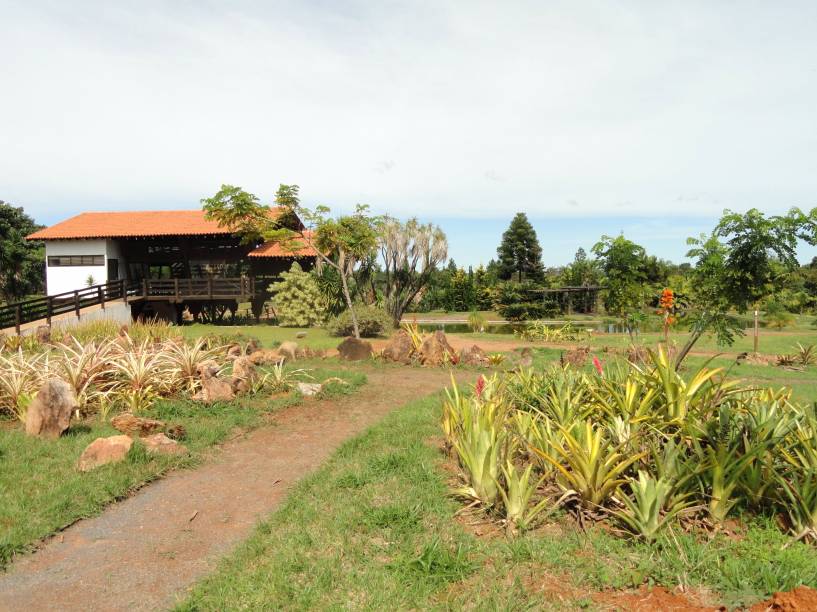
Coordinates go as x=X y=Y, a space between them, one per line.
x=58 y=261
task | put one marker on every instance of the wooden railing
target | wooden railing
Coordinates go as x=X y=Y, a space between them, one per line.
x=176 y=290
x=44 y=308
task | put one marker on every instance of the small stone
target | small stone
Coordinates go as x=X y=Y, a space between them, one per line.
x=234 y=351
x=162 y=445
x=301 y=334
x=49 y=413
x=309 y=389
x=354 y=349
x=43 y=334
x=135 y=426
x=104 y=450
x=264 y=357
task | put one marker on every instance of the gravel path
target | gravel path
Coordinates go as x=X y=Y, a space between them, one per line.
x=145 y=552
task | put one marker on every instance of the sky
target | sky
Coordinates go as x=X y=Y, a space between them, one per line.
x=642 y=117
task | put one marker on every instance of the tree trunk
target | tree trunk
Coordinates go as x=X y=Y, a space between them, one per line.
x=346 y=295
x=693 y=338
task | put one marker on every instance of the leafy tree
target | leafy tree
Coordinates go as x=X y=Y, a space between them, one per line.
x=738 y=272
x=21 y=262
x=340 y=243
x=411 y=252
x=624 y=264
x=520 y=253
x=297 y=300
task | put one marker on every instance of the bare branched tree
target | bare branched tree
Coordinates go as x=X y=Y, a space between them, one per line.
x=411 y=251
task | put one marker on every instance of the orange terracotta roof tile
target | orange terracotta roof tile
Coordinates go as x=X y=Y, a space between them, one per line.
x=143 y=224
x=292 y=248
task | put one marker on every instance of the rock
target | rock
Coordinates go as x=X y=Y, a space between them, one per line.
x=244 y=375
x=162 y=445
x=473 y=356
x=354 y=349
x=399 y=348
x=526 y=357
x=177 y=432
x=288 y=350
x=213 y=389
x=300 y=334
x=234 y=351
x=637 y=354
x=49 y=413
x=264 y=357
x=104 y=450
x=436 y=350
x=576 y=357
x=43 y=334
x=135 y=426
x=309 y=389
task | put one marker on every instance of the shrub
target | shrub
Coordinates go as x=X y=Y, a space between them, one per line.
x=371 y=320
x=297 y=300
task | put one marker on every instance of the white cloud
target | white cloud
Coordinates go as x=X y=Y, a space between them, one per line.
x=475 y=109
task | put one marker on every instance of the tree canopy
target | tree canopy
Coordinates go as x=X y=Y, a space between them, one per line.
x=21 y=262
x=520 y=253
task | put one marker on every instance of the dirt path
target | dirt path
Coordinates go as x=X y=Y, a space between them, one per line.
x=145 y=552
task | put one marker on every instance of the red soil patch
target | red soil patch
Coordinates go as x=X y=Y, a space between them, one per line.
x=799 y=600
x=650 y=600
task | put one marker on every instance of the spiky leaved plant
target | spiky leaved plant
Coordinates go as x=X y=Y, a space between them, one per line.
x=651 y=505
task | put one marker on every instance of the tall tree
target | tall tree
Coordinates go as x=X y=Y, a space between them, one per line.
x=21 y=262
x=411 y=252
x=520 y=253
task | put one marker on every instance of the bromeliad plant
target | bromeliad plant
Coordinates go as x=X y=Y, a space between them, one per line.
x=644 y=445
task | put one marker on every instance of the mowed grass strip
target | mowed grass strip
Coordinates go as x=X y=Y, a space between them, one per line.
x=41 y=490
x=374 y=528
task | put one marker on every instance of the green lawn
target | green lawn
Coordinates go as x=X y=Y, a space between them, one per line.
x=374 y=529
x=41 y=491
x=270 y=336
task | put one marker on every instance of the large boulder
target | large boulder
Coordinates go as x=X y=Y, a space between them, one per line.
x=160 y=444
x=104 y=450
x=288 y=350
x=473 y=356
x=435 y=350
x=400 y=348
x=135 y=426
x=355 y=349
x=244 y=375
x=49 y=413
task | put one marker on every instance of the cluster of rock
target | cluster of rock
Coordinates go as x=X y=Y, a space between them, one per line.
x=153 y=435
x=435 y=350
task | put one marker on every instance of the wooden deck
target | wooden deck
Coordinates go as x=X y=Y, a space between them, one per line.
x=175 y=291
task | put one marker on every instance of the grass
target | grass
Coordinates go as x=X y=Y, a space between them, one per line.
x=374 y=529
x=41 y=491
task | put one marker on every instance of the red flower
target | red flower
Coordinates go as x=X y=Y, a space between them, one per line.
x=480 y=385
x=597 y=365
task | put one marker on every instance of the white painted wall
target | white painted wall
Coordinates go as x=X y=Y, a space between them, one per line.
x=69 y=278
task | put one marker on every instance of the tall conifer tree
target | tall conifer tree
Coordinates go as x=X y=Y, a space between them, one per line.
x=520 y=252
